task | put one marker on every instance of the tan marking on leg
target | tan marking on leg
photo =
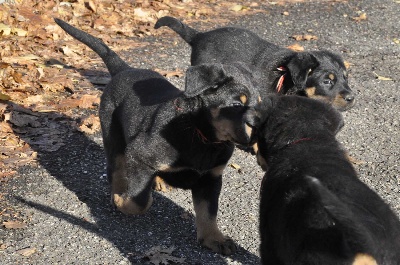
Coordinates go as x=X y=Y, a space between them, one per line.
x=208 y=233
x=259 y=99
x=249 y=130
x=168 y=168
x=331 y=77
x=127 y=206
x=119 y=182
x=255 y=148
x=243 y=98
x=364 y=259
x=217 y=171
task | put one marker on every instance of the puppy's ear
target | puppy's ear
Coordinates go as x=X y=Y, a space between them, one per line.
x=263 y=109
x=299 y=68
x=334 y=120
x=199 y=78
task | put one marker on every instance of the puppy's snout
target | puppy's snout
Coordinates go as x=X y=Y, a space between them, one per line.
x=349 y=98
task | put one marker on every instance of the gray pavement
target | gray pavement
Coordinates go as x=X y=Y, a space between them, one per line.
x=66 y=198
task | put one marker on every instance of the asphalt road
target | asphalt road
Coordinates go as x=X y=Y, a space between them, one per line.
x=66 y=198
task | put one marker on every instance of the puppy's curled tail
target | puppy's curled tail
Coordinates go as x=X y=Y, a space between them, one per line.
x=113 y=62
x=187 y=33
x=357 y=237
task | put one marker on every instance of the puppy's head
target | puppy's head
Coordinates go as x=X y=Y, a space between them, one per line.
x=284 y=119
x=321 y=75
x=228 y=95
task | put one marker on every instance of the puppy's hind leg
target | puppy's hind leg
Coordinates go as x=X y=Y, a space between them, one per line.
x=205 y=198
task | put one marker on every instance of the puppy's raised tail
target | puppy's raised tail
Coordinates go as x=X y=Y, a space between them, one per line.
x=187 y=33
x=113 y=62
x=357 y=237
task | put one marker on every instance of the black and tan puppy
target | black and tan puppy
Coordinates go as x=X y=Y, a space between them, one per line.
x=315 y=74
x=314 y=209
x=152 y=128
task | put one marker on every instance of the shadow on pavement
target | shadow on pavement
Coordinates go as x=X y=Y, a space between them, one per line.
x=79 y=165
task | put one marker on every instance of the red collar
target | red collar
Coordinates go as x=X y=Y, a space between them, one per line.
x=298 y=141
x=279 y=85
x=177 y=106
x=204 y=138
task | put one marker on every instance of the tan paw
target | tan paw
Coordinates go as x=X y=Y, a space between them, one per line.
x=224 y=246
x=127 y=206
x=160 y=185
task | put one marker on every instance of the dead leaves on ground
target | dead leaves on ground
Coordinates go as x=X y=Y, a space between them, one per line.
x=35 y=54
x=382 y=78
x=14 y=225
x=26 y=252
x=304 y=37
x=159 y=255
x=361 y=17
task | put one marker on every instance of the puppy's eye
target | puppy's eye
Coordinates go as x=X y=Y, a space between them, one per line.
x=237 y=104
x=328 y=82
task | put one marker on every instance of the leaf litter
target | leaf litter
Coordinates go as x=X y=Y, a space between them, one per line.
x=159 y=255
x=42 y=97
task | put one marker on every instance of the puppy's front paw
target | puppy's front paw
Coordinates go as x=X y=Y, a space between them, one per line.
x=128 y=206
x=160 y=185
x=224 y=245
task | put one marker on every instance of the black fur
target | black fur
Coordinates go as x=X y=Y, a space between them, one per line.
x=314 y=209
x=187 y=137
x=306 y=73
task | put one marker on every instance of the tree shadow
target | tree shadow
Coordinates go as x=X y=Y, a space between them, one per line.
x=79 y=164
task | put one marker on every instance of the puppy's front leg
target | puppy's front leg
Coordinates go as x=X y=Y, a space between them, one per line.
x=136 y=197
x=205 y=199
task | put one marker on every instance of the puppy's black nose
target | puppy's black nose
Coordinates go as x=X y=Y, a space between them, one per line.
x=349 y=98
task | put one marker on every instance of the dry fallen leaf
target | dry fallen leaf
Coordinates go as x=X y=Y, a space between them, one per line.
x=235 y=166
x=26 y=252
x=347 y=64
x=4 y=97
x=14 y=225
x=88 y=101
x=296 y=47
x=361 y=17
x=306 y=37
x=19 y=32
x=236 y=8
x=5 y=29
x=159 y=255
x=383 y=78
x=90 y=125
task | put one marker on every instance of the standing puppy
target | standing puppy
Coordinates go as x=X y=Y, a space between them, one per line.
x=314 y=210
x=316 y=74
x=152 y=128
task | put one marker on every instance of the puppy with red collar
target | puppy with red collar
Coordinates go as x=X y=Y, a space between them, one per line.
x=314 y=209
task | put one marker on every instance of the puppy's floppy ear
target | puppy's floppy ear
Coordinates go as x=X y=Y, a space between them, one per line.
x=199 y=78
x=299 y=67
x=334 y=120
x=263 y=109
